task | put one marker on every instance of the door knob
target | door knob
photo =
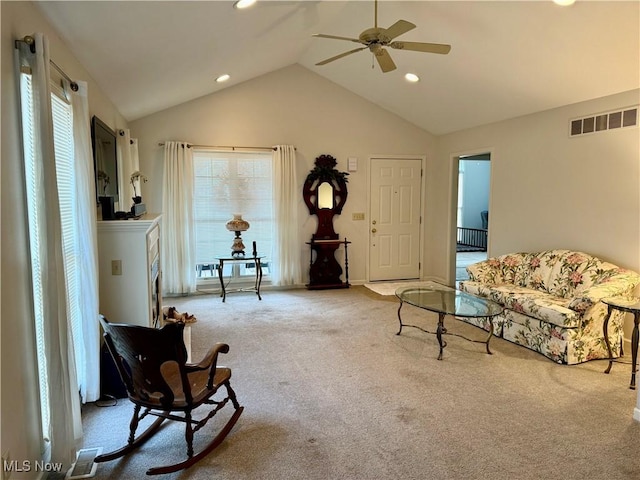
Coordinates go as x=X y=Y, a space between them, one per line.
x=374 y=222
x=373 y=230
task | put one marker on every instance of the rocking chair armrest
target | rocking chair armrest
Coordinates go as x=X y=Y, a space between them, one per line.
x=210 y=359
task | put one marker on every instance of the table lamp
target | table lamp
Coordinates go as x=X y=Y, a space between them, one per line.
x=238 y=225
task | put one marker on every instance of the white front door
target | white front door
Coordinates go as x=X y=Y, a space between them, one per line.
x=394 y=230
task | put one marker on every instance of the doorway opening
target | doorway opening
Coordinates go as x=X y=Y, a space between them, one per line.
x=472 y=213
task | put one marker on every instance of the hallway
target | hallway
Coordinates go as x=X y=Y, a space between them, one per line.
x=467 y=258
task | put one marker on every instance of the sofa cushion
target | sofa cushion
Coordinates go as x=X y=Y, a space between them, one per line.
x=527 y=301
x=574 y=272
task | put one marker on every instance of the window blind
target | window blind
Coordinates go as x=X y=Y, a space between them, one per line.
x=31 y=187
x=62 y=114
x=227 y=183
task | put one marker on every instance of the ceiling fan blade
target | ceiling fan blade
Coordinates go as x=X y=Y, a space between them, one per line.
x=335 y=37
x=399 y=28
x=324 y=62
x=384 y=60
x=422 y=47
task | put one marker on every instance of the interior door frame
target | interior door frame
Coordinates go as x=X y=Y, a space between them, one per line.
x=454 y=161
x=423 y=184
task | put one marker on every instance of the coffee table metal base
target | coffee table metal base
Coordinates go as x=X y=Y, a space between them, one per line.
x=442 y=330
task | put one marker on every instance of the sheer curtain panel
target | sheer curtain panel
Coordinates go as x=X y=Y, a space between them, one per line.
x=87 y=344
x=128 y=162
x=64 y=429
x=287 y=194
x=178 y=238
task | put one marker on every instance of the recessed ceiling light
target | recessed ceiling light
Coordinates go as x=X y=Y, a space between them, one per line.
x=240 y=4
x=223 y=78
x=412 y=77
x=564 y=3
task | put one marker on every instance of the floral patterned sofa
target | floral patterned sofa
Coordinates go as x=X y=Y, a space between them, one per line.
x=552 y=301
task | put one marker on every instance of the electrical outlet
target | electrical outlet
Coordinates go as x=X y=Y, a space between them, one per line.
x=357 y=216
x=116 y=267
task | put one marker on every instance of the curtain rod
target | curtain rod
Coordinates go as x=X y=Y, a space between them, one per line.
x=29 y=40
x=121 y=133
x=226 y=147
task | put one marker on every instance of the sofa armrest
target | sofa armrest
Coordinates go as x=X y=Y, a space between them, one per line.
x=487 y=271
x=620 y=282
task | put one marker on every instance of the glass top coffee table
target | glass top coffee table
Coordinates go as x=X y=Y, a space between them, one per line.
x=444 y=301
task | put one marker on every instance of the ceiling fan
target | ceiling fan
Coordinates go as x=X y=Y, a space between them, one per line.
x=375 y=39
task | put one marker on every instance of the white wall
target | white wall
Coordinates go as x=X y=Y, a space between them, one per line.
x=19 y=401
x=549 y=190
x=552 y=191
x=289 y=106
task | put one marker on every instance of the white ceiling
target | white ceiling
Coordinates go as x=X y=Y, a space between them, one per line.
x=508 y=58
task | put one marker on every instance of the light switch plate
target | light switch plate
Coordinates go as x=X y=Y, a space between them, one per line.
x=116 y=267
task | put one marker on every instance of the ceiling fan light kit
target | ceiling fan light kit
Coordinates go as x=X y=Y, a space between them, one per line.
x=376 y=39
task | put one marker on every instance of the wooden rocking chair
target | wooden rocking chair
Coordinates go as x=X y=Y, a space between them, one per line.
x=153 y=366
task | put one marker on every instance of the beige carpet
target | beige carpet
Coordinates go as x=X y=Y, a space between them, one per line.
x=389 y=288
x=332 y=393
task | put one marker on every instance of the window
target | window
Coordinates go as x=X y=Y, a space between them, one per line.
x=227 y=183
x=64 y=157
x=62 y=114
x=28 y=132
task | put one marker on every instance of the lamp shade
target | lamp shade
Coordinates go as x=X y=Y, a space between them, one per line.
x=237 y=223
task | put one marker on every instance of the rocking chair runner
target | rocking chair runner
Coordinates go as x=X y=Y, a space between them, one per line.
x=153 y=366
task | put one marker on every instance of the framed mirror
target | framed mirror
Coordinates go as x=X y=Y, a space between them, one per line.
x=325 y=195
x=105 y=159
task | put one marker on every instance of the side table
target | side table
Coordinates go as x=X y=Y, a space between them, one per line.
x=628 y=305
x=257 y=261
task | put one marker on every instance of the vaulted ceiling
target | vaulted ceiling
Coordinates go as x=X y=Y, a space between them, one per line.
x=508 y=58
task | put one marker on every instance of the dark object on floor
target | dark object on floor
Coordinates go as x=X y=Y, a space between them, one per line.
x=153 y=365
x=110 y=382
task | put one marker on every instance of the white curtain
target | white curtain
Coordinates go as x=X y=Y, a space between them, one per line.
x=287 y=194
x=65 y=430
x=178 y=233
x=88 y=351
x=128 y=162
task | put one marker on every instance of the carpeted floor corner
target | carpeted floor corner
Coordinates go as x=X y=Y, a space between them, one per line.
x=331 y=392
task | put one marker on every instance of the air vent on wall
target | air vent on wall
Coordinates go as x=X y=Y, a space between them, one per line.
x=601 y=122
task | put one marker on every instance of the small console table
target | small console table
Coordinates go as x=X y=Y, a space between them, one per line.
x=324 y=269
x=628 y=305
x=257 y=261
